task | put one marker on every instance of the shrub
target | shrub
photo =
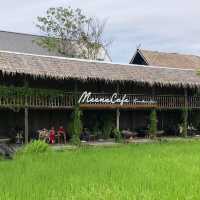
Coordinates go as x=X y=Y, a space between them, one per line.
x=37 y=146
x=75 y=140
x=76 y=125
x=153 y=124
x=96 y=128
x=107 y=125
x=117 y=135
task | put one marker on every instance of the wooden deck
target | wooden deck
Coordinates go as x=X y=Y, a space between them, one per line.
x=68 y=100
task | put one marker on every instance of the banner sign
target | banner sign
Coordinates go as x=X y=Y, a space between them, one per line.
x=89 y=98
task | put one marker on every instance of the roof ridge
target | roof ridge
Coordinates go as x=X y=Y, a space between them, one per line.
x=22 y=33
x=176 y=53
x=95 y=61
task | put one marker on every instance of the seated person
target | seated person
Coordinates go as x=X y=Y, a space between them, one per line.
x=43 y=135
x=85 y=135
x=128 y=134
x=19 y=138
x=52 y=136
x=61 y=135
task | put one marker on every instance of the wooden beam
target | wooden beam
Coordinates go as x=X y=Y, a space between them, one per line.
x=116 y=106
x=26 y=124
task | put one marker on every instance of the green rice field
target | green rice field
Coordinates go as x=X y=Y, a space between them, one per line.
x=168 y=170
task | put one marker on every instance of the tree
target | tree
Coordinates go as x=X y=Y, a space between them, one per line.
x=71 y=33
x=117 y=135
x=153 y=124
x=76 y=125
x=92 y=40
x=107 y=124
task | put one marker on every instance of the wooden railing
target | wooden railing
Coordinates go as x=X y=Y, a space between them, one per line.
x=68 y=100
x=65 y=101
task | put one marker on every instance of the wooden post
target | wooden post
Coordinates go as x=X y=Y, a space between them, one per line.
x=26 y=85
x=162 y=115
x=26 y=124
x=186 y=97
x=76 y=86
x=117 y=118
x=186 y=108
x=76 y=92
x=117 y=111
x=117 y=87
x=153 y=91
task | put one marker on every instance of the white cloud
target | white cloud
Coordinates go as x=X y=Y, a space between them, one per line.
x=160 y=25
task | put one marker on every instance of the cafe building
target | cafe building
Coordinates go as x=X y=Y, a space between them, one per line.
x=38 y=91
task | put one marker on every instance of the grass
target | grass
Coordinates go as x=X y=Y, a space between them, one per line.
x=143 y=172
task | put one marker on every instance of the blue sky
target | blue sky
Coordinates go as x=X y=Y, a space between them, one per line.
x=171 y=25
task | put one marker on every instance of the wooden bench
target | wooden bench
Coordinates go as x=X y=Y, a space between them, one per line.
x=4 y=140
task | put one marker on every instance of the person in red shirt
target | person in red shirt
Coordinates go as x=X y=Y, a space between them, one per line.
x=52 y=136
x=61 y=135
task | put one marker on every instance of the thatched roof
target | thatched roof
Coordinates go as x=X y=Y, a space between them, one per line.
x=176 y=60
x=64 y=68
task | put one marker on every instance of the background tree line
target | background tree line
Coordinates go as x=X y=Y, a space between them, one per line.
x=73 y=34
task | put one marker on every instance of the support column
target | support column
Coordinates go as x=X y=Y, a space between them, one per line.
x=153 y=91
x=76 y=87
x=76 y=92
x=186 y=109
x=26 y=124
x=117 y=111
x=186 y=97
x=117 y=118
x=26 y=85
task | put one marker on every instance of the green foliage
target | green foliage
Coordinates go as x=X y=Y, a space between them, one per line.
x=117 y=135
x=153 y=124
x=76 y=125
x=75 y=140
x=96 y=126
x=63 y=26
x=184 y=122
x=92 y=39
x=47 y=42
x=37 y=146
x=71 y=33
x=107 y=124
x=11 y=91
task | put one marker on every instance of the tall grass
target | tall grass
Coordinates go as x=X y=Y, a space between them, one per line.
x=145 y=171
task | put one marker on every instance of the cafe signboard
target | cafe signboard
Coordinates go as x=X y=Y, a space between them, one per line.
x=113 y=99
